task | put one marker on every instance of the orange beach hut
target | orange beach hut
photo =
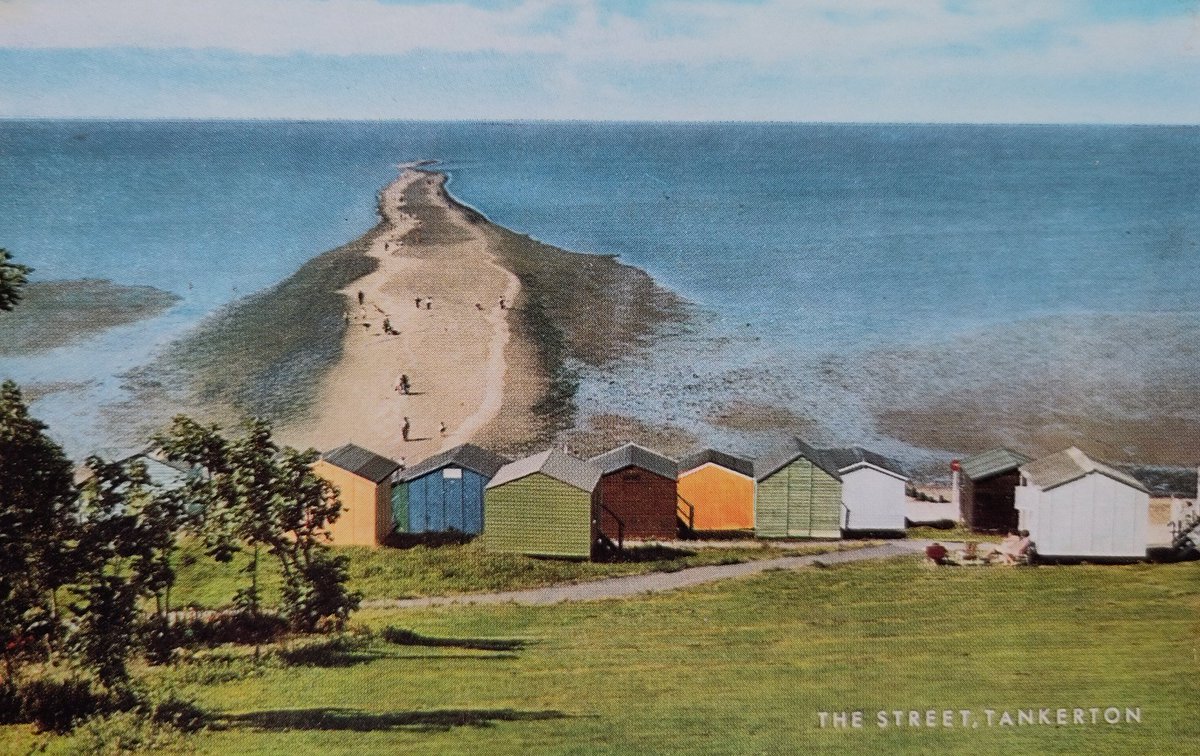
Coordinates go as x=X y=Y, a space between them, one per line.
x=717 y=491
x=364 y=482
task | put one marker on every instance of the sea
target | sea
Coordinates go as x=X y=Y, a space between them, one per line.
x=813 y=253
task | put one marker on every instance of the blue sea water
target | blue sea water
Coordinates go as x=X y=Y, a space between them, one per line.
x=799 y=241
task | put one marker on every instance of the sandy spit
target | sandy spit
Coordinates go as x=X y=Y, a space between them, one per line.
x=451 y=346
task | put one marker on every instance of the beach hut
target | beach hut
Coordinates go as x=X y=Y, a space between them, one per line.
x=445 y=492
x=364 y=482
x=639 y=487
x=1074 y=506
x=989 y=482
x=544 y=505
x=716 y=491
x=872 y=490
x=798 y=494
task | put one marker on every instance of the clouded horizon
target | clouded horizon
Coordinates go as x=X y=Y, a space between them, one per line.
x=1090 y=61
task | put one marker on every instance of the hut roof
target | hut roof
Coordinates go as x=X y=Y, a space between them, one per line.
x=1072 y=464
x=992 y=462
x=361 y=462
x=844 y=459
x=789 y=452
x=468 y=456
x=579 y=473
x=632 y=455
x=712 y=456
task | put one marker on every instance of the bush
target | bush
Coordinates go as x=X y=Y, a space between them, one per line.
x=59 y=705
x=207 y=629
x=128 y=732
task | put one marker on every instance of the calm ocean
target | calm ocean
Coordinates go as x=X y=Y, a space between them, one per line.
x=800 y=243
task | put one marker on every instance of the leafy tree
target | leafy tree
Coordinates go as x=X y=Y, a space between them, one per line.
x=13 y=276
x=39 y=530
x=263 y=498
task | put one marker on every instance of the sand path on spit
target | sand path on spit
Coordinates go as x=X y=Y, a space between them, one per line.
x=452 y=352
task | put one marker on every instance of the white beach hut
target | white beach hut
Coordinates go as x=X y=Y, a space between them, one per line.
x=1074 y=506
x=872 y=490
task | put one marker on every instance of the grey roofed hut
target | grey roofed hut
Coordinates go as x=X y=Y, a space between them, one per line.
x=987 y=495
x=1075 y=506
x=872 y=489
x=543 y=505
x=799 y=493
x=445 y=492
x=638 y=489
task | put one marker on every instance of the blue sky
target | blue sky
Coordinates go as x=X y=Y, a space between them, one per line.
x=1050 y=61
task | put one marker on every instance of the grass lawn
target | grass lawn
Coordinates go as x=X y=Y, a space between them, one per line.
x=744 y=666
x=386 y=573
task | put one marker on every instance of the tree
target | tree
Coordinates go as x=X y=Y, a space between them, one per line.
x=13 y=276
x=130 y=530
x=39 y=530
x=263 y=498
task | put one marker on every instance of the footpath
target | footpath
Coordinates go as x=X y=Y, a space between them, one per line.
x=655 y=582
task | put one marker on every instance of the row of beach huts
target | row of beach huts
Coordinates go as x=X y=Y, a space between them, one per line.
x=555 y=504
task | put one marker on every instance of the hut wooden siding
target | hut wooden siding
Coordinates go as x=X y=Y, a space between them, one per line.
x=538 y=515
x=721 y=498
x=1075 y=507
x=366 y=517
x=987 y=498
x=639 y=487
x=447 y=499
x=872 y=489
x=798 y=498
x=644 y=501
x=445 y=492
x=364 y=482
x=874 y=499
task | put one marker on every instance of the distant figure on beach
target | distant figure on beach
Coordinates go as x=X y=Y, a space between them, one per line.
x=418 y=303
x=386 y=246
x=503 y=304
x=403 y=463
x=428 y=303
x=405 y=428
x=442 y=429
x=346 y=314
x=387 y=326
x=361 y=297
x=478 y=306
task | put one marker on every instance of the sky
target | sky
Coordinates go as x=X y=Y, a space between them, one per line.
x=992 y=61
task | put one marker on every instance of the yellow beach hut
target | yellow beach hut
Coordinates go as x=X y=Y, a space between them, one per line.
x=716 y=491
x=364 y=482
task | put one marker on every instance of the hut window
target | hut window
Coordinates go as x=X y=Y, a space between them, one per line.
x=452 y=472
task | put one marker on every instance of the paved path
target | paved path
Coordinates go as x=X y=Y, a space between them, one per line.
x=654 y=582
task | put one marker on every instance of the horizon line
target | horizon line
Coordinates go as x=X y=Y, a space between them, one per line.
x=620 y=121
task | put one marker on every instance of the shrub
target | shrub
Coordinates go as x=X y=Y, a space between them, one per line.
x=59 y=705
x=128 y=732
x=203 y=629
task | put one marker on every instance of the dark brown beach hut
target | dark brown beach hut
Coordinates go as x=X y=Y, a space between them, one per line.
x=638 y=486
x=987 y=500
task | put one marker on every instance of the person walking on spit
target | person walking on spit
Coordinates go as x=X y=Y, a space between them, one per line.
x=503 y=304
x=442 y=429
x=418 y=303
x=361 y=297
x=429 y=303
x=405 y=428
x=404 y=387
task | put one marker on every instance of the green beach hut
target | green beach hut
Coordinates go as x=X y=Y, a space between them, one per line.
x=542 y=506
x=798 y=495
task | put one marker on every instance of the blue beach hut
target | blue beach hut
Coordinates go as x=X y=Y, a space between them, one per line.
x=445 y=492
